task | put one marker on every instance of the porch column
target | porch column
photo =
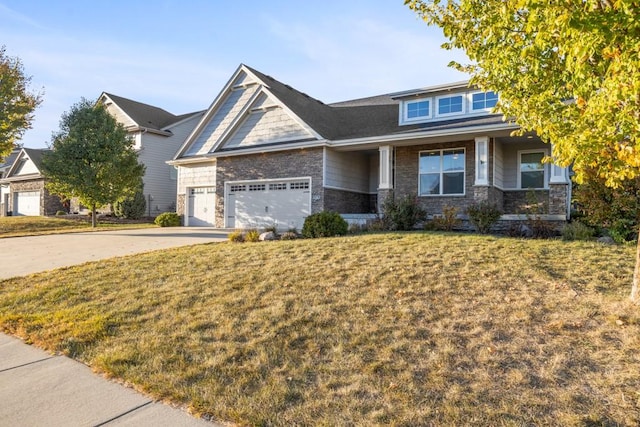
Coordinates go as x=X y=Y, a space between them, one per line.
x=482 y=160
x=559 y=190
x=385 y=181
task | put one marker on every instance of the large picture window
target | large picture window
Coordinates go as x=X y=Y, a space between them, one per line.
x=442 y=172
x=532 y=170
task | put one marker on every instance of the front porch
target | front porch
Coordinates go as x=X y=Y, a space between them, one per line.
x=509 y=172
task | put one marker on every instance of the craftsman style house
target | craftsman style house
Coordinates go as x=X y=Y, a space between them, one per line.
x=265 y=153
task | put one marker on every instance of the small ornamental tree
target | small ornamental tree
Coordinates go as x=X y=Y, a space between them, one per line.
x=92 y=158
x=16 y=102
x=570 y=71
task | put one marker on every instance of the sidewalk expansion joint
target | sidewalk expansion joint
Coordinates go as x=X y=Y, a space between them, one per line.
x=27 y=364
x=123 y=414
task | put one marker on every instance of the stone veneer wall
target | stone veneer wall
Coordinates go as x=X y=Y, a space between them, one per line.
x=278 y=165
x=180 y=206
x=49 y=204
x=407 y=170
x=520 y=201
x=347 y=202
x=558 y=199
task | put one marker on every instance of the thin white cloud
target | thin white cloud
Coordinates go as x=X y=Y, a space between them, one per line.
x=19 y=18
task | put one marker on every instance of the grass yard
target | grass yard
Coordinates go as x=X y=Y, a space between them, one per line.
x=16 y=226
x=382 y=329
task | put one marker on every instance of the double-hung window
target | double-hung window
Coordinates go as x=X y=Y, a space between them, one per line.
x=442 y=172
x=483 y=100
x=532 y=170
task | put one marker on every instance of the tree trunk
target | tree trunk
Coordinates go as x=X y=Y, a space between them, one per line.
x=93 y=216
x=635 y=291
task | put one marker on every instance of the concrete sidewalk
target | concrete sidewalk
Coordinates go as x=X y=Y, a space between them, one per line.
x=40 y=389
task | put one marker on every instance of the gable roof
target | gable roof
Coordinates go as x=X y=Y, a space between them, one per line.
x=375 y=117
x=8 y=161
x=33 y=154
x=145 y=115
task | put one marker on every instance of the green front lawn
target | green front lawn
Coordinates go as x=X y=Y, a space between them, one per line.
x=381 y=329
x=16 y=226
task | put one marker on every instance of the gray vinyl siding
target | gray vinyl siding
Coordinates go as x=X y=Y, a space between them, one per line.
x=348 y=171
x=498 y=177
x=156 y=151
x=199 y=175
x=510 y=161
x=231 y=106
x=266 y=126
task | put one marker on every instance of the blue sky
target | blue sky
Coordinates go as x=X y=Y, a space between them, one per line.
x=178 y=55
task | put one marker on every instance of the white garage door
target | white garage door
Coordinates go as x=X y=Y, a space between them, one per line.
x=201 y=207
x=26 y=203
x=256 y=204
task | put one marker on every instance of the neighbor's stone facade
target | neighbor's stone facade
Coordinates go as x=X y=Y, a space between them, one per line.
x=49 y=204
x=342 y=201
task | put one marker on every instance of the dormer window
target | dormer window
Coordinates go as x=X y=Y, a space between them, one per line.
x=483 y=101
x=449 y=105
x=416 y=110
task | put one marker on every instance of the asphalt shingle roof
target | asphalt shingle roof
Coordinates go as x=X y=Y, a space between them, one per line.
x=146 y=115
x=358 y=118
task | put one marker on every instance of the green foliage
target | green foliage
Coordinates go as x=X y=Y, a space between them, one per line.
x=483 y=216
x=16 y=102
x=447 y=221
x=131 y=207
x=616 y=209
x=576 y=230
x=324 y=224
x=60 y=213
x=236 y=236
x=167 y=219
x=92 y=158
x=403 y=214
x=568 y=71
x=252 y=235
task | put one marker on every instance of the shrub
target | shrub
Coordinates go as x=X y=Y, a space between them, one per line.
x=271 y=229
x=236 y=236
x=252 y=235
x=289 y=235
x=576 y=230
x=60 y=213
x=324 y=224
x=132 y=207
x=447 y=221
x=167 y=219
x=541 y=229
x=402 y=215
x=483 y=216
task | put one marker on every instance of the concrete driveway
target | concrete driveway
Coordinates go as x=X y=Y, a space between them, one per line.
x=25 y=255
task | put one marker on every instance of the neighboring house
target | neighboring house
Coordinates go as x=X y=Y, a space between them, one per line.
x=265 y=153
x=23 y=186
x=5 y=164
x=157 y=135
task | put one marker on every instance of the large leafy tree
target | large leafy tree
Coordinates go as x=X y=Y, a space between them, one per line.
x=568 y=70
x=92 y=158
x=16 y=102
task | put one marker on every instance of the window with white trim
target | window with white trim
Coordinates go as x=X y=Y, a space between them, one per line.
x=419 y=109
x=483 y=100
x=257 y=187
x=238 y=187
x=278 y=186
x=302 y=185
x=442 y=172
x=532 y=170
x=450 y=105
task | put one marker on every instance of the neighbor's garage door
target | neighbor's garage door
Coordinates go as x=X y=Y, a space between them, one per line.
x=201 y=207
x=260 y=204
x=26 y=203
